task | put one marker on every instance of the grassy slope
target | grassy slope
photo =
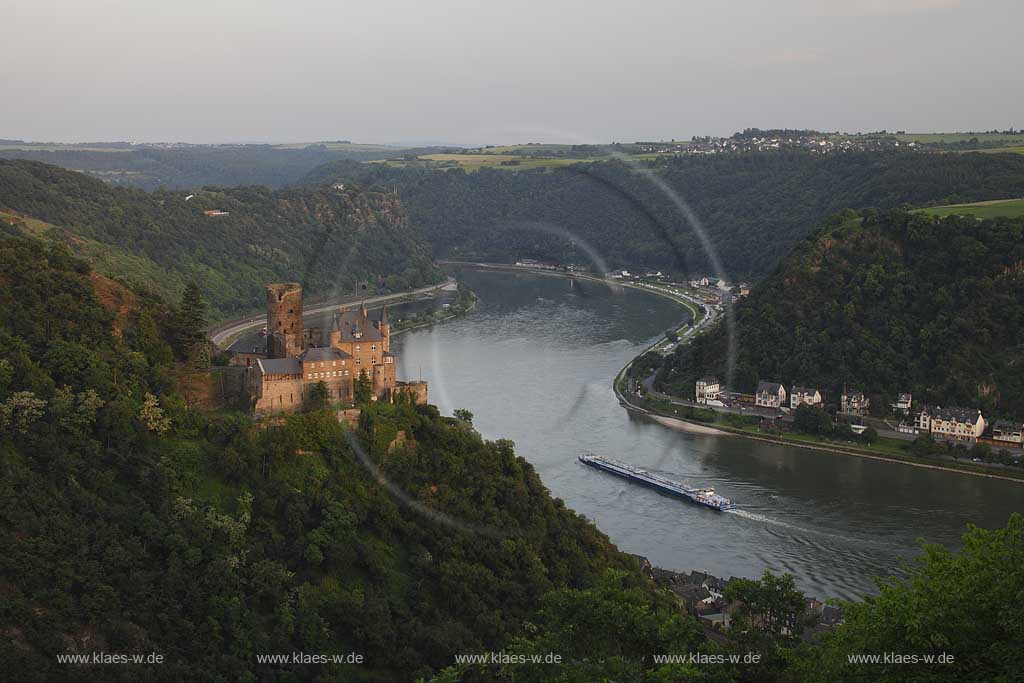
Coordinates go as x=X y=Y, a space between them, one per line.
x=105 y=258
x=999 y=208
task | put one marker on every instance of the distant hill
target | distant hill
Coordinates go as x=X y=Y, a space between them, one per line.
x=888 y=302
x=332 y=240
x=150 y=167
x=754 y=207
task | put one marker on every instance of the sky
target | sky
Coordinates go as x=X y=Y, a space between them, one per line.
x=483 y=71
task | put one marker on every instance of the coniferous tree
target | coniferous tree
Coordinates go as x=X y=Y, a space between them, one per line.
x=362 y=390
x=191 y=327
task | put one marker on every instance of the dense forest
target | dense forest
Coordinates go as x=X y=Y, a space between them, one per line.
x=885 y=302
x=131 y=522
x=330 y=240
x=754 y=207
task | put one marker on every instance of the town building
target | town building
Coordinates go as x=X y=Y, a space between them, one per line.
x=956 y=424
x=923 y=421
x=903 y=402
x=1009 y=433
x=801 y=395
x=708 y=389
x=770 y=395
x=854 y=403
x=357 y=344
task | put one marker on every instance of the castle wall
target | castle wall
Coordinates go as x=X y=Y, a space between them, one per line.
x=280 y=396
x=417 y=389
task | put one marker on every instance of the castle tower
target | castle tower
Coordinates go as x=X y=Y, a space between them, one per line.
x=284 y=320
x=384 y=325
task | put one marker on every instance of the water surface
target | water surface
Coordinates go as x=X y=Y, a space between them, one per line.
x=534 y=363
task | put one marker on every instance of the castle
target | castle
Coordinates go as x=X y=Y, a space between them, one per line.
x=357 y=342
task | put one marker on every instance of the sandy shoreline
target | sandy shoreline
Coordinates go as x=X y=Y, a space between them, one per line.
x=688 y=427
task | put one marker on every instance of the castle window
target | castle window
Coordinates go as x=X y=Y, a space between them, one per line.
x=333 y=363
x=359 y=361
x=309 y=375
x=373 y=347
x=357 y=347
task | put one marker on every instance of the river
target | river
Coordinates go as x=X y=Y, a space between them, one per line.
x=534 y=362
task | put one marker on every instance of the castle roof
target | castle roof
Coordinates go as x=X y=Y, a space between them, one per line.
x=769 y=387
x=804 y=390
x=279 y=366
x=356 y=326
x=321 y=353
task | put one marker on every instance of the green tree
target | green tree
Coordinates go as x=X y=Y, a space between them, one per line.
x=464 y=415
x=319 y=396
x=362 y=389
x=771 y=606
x=924 y=613
x=810 y=419
x=152 y=417
x=190 y=329
x=870 y=435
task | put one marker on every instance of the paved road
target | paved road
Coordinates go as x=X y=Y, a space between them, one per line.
x=228 y=331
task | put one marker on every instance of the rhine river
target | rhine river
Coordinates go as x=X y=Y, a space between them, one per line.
x=534 y=362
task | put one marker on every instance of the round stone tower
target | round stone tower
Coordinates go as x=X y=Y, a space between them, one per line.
x=284 y=320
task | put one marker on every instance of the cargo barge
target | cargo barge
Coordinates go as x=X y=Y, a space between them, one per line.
x=701 y=496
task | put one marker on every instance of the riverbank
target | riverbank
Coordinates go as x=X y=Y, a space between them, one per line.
x=692 y=426
x=884 y=452
x=465 y=304
x=694 y=310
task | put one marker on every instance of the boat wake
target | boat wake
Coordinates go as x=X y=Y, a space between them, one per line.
x=753 y=516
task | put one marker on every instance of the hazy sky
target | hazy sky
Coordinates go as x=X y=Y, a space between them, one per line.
x=485 y=71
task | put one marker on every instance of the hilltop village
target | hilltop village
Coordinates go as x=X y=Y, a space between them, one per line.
x=306 y=364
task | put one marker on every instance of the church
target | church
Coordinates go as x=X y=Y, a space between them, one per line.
x=356 y=343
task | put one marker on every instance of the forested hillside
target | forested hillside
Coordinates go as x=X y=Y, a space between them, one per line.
x=131 y=524
x=329 y=239
x=884 y=302
x=755 y=207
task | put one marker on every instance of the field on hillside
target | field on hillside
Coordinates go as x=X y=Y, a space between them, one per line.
x=343 y=146
x=58 y=147
x=473 y=162
x=1008 y=208
x=949 y=138
x=1015 y=149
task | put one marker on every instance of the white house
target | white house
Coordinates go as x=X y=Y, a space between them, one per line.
x=854 y=403
x=808 y=395
x=708 y=389
x=957 y=424
x=903 y=402
x=770 y=395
